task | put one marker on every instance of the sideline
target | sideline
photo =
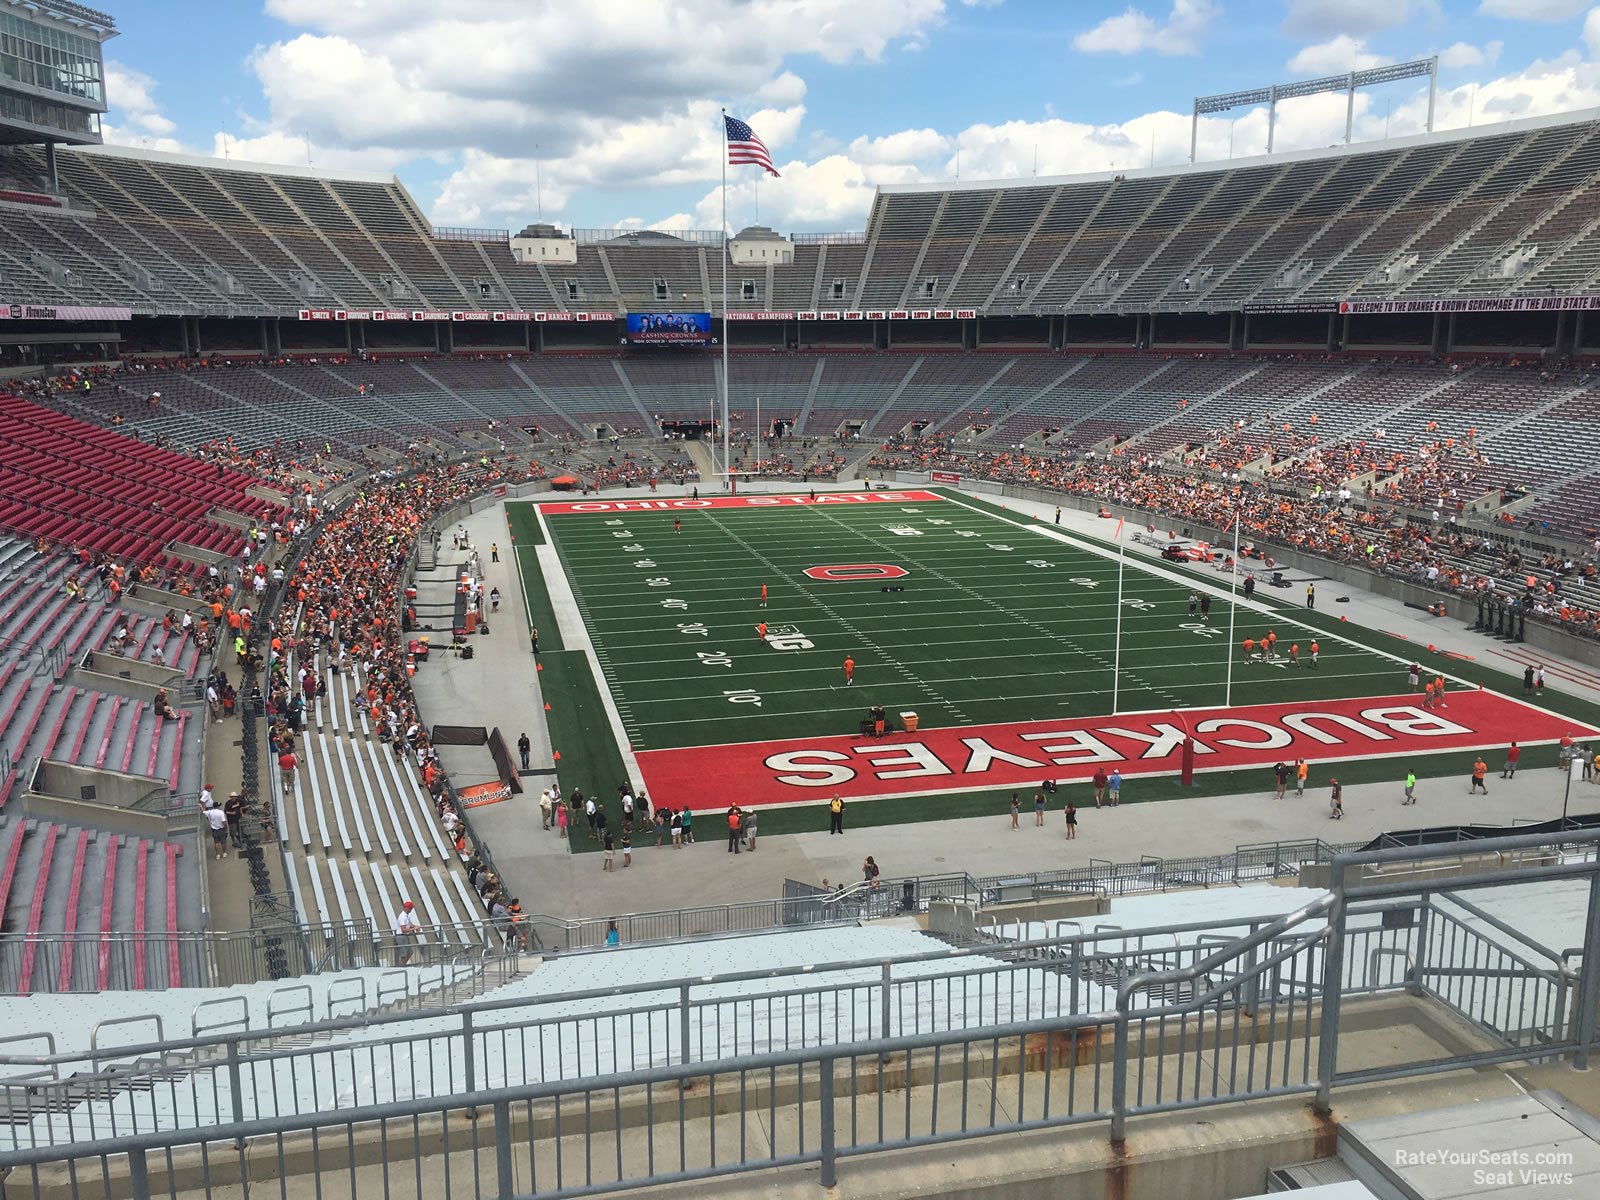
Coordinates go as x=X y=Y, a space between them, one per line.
x=575 y=636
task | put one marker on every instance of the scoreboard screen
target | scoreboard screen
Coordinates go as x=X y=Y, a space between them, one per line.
x=669 y=329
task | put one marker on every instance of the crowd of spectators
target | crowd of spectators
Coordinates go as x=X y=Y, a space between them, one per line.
x=804 y=459
x=1410 y=526
x=341 y=611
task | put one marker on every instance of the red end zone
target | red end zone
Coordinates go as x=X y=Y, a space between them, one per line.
x=974 y=758
x=684 y=503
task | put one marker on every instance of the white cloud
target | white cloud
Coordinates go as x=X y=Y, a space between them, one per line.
x=785 y=90
x=293 y=149
x=679 y=148
x=1591 y=33
x=408 y=74
x=135 y=118
x=1464 y=54
x=909 y=145
x=1341 y=53
x=1321 y=19
x=1134 y=30
x=1533 y=10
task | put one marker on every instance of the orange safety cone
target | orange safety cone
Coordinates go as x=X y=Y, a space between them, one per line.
x=555 y=756
x=541 y=666
x=547 y=706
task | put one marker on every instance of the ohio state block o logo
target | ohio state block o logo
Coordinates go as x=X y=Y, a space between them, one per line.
x=854 y=572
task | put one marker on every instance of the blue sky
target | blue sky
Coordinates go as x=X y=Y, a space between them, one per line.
x=612 y=107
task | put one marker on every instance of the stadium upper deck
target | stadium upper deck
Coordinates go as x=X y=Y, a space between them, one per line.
x=1506 y=211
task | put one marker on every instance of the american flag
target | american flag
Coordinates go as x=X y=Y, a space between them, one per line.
x=744 y=146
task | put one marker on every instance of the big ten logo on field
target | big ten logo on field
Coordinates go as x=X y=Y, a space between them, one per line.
x=856 y=572
x=788 y=637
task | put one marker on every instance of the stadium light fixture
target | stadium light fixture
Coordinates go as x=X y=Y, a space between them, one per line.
x=1347 y=83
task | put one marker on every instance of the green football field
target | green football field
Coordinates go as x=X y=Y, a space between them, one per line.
x=999 y=630
x=997 y=619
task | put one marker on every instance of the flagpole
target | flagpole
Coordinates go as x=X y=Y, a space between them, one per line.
x=727 y=452
x=1116 y=666
x=1233 y=578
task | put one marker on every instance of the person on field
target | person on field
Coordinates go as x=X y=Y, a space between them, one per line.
x=1513 y=757
x=1411 y=788
x=1479 y=770
x=849 y=670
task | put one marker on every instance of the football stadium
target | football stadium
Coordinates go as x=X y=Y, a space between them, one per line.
x=1087 y=686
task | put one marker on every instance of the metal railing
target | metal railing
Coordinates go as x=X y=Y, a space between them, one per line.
x=461 y=233
x=852 y=238
x=1104 y=1027
x=649 y=239
x=289 y=949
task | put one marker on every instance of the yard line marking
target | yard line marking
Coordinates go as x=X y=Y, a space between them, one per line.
x=1015 y=617
x=850 y=627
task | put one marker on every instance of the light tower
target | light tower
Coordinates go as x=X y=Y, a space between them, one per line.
x=1347 y=83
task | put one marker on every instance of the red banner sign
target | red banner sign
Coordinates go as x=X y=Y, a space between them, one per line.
x=480 y=794
x=944 y=477
x=641 y=506
x=978 y=758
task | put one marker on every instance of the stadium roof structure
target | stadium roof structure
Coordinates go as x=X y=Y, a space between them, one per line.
x=1466 y=133
x=210 y=162
x=1501 y=216
x=87 y=20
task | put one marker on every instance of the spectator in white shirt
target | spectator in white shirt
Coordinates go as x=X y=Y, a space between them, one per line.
x=218 y=820
x=208 y=799
x=407 y=932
